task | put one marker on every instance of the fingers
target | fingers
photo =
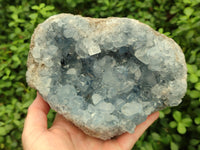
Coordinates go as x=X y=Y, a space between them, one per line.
x=127 y=140
x=36 y=119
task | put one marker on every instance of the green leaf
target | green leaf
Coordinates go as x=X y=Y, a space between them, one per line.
x=197 y=86
x=48 y=8
x=192 y=56
x=161 y=114
x=191 y=68
x=198 y=129
x=26 y=104
x=5 y=84
x=194 y=142
x=177 y=115
x=187 y=1
x=148 y=146
x=9 y=127
x=2 y=66
x=33 y=16
x=2 y=146
x=174 y=10
x=181 y=128
x=42 y=5
x=188 y=11
x=197 y=120
x=166 y=139
x=7 y=71
x=173 y=146
x=193 y=78
x=173 y=124
x=187 y=122
x=5 y=77
x=198 y=73
x=130 y=16
x=12 y=8
x=14 y=16
x=161 y=30
x=107 y=2
x=2 y=131
x=177 y=137
x=190 y=34
x=167 y=110
x=194 y=94
x=17 y=122
x=13 y=48
x=155 y=136
x=16 y=59
x=35 y=7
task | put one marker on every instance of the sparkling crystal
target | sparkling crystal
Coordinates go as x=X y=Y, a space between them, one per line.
x=105 y=75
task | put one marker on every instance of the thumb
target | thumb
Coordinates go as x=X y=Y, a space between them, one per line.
x=36 y=119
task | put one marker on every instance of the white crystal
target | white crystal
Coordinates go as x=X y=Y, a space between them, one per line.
x=72 y=71
x=106 y=107
x=132 y=108
x=96 y=98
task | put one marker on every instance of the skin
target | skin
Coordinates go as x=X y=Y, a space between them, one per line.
x=63 y=135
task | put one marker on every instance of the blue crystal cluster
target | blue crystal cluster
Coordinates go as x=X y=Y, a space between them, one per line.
x=105 y=75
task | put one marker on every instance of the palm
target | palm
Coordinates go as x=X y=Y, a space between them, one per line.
x=63 y=135
x=75 y=139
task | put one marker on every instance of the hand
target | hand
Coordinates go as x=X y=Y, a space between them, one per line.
x=63 y=135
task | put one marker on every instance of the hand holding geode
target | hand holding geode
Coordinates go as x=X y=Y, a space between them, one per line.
x=105 y=75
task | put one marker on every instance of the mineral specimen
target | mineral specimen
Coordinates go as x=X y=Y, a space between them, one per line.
x=105 y=75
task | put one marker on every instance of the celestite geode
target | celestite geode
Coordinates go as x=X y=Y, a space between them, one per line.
x=105 y=75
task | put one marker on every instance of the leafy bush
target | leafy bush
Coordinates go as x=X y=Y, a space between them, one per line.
x=177 y=128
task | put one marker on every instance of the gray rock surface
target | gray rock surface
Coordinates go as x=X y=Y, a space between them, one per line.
x=105 y=75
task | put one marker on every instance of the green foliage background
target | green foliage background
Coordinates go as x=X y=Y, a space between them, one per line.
x=177 y=128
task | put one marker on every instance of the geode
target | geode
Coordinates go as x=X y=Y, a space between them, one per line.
x=105 y=75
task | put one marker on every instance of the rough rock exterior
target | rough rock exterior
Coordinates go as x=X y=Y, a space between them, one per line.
x=105 y=75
